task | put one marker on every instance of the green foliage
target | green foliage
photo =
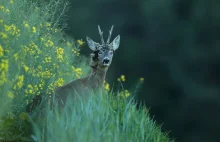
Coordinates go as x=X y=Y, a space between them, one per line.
x=36 y=57
x=99 y=117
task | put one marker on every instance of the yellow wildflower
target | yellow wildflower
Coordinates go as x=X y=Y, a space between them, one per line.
x=80 y=42
x=10 y=95
x=78 y=72
x=107 y=87
x=26 y=25
x=60 y=50
x=40 y=68
x=141 y=79
x=4 y=65
x=1 y=51
x=11 y=1
x=12 y=30
x=47 y=24
x=34 y=30
x=59 y=82
x=123 y=78
x=19 y=84
x=23 y=116
x=1 y=21
x=125 y=94
x=35 y=87
x=3 y=35
x=74 y=51
x=49 y=43
x=69 y=44
x=30 y=86
x=30 y=91
x=15 y=56
x=1 y=7
x=7 y=10
x=48 y=59
x=41 y=38
x=26 y=68
x=60 y=57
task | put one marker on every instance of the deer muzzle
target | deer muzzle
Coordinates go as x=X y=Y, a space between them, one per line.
x=106 y=61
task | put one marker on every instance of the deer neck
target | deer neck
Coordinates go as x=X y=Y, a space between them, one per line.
x=97 y=76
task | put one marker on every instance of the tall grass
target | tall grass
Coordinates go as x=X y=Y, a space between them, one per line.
x=35 y=57
x=99 y=117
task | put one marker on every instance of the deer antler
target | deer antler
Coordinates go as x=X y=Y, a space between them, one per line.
x=101 y=35
x=110 y=34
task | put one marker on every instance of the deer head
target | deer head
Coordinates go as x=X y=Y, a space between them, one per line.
x=103 y=52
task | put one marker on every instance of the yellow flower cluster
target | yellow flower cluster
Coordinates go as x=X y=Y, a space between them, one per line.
x=48 y=59
x=3 y=70
x=34 y=30
x=59 y=82
x=1 y=51
x=45 y=74
x=142 y=79
x=125 y=94
x=75 y=52
x=78 y=72
x=10 y=95
x=19 y=82
x=32 y=48
x=26 y=68
x=80 y=42
x=31 y=89
x=12 y=30
x=2 y=7
x=122 y=78
x=60 y=52
x=106 y=86
x=6 y=10
x=3 y=35
x=48 y=43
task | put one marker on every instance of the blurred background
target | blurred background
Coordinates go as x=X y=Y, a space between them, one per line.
x=174 y=45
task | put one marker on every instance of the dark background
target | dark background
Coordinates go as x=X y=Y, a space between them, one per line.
x=174 y=45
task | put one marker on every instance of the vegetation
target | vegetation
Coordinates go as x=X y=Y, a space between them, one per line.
x=36 y=56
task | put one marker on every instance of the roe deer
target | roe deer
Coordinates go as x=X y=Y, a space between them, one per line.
x=101 y=59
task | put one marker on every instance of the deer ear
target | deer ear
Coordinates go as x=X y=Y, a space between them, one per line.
x=115 y=43
x=92 y=45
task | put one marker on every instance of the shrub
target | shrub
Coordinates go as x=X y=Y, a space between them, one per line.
x=36 y=57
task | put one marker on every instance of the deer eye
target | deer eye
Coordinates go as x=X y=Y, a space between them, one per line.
x=100 y=52
x=110 y=52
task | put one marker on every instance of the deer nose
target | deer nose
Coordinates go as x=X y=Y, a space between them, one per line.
x=106 y=61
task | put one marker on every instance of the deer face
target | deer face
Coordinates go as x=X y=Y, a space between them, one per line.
x=104 y=57
x=103 y=53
